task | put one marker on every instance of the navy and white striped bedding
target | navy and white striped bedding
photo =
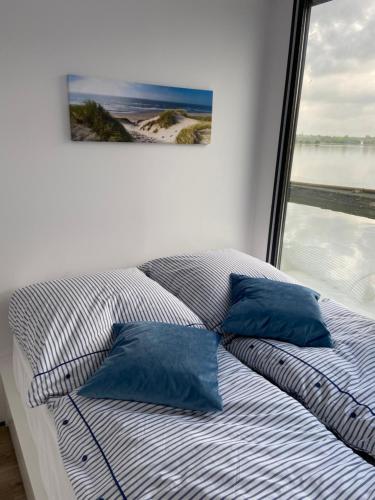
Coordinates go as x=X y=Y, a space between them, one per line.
x=336 y=385
x=264 y=445
x=201 y=281
x=64 y=326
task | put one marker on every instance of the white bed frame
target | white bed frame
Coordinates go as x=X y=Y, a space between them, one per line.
x=23 y=442
x=37 y=480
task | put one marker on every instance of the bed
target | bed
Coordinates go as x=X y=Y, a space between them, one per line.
x=42 y=428
x=336 y=385
x=264 y=444
x=270 y=427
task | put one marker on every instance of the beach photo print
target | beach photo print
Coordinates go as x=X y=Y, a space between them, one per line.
x=114 y=111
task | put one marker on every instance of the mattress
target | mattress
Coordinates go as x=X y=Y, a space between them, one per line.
x=43 y=431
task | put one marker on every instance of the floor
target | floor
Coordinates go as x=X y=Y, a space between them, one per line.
x=11 y=487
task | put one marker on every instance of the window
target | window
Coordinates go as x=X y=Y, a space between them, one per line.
x=324 y=233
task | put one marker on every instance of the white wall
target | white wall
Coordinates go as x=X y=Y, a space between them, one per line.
x=269 y=118
x=67 y=208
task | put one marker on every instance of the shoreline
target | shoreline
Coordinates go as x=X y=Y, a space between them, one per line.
x=330 y=144
x=136 y=116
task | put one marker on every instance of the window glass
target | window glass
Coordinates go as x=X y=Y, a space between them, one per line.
x=329 y=235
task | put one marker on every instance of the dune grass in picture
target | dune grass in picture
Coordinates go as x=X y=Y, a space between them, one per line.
x=114 y=111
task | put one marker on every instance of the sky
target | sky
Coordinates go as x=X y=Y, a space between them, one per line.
x=89 y=85
x=338 y=93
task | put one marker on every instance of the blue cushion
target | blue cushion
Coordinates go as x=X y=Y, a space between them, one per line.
x=276 y=310
x=160 y=363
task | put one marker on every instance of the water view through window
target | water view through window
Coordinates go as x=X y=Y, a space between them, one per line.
x=329 y=236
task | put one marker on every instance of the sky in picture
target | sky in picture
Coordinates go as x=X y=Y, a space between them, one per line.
x=88 y=85
x=338 y=96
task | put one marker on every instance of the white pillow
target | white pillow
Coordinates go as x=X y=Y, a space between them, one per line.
x=201 y=281
x=65 y=326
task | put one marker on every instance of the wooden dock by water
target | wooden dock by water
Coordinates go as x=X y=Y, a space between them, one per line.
x=349 y=200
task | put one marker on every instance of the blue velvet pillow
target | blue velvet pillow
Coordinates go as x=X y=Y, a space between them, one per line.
x=276 y=310
x=160 y=363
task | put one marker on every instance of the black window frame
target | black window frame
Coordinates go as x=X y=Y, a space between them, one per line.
x=292 y=95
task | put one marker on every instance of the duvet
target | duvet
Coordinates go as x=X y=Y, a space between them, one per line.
x=264 y=445
x=336 y=385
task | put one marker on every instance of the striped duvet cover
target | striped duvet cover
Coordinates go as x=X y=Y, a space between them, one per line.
x=337 y=385
x=264 y=445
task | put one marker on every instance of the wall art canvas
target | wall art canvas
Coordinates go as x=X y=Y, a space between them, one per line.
x=115 y=111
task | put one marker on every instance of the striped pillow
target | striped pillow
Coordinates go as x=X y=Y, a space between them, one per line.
x=65 y=327
x=201 y=281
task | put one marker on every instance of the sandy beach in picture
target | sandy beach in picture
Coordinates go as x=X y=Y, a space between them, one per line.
x=112 y=111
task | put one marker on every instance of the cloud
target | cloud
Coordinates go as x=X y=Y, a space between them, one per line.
x=339 y=83
x=88 y=85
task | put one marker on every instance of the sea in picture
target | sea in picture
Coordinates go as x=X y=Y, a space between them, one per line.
x=115 y=111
